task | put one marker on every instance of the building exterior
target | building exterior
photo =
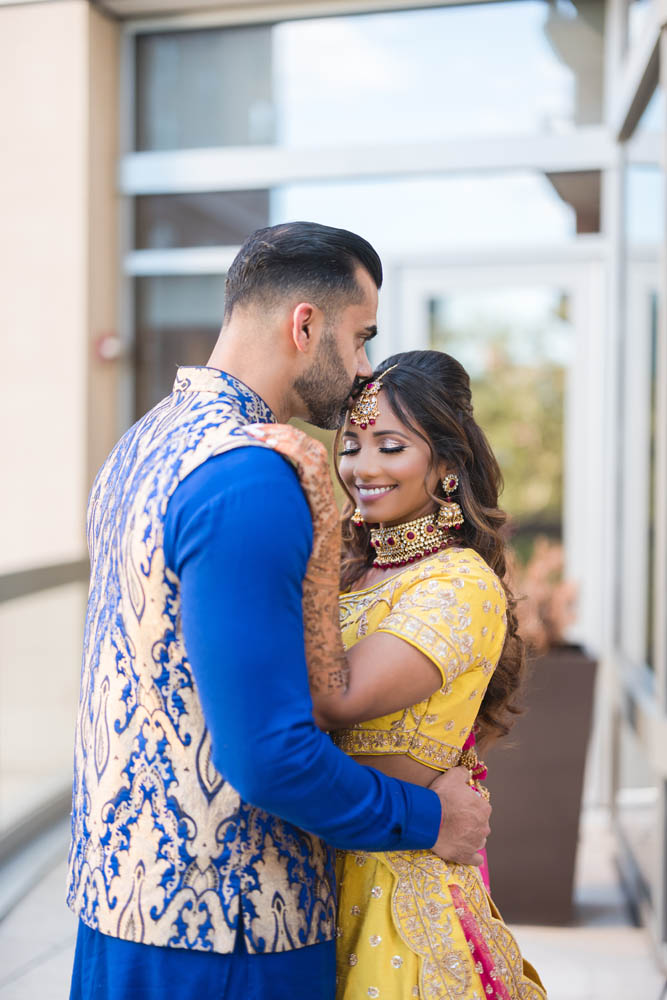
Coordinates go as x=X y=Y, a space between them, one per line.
x=506 y=158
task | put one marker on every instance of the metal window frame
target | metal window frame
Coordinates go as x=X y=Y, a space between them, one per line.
x=639 y=697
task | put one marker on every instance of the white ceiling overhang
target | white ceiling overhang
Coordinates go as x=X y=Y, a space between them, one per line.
x=235 y=11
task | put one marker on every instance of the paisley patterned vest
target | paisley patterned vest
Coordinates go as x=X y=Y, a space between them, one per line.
x=164 y=851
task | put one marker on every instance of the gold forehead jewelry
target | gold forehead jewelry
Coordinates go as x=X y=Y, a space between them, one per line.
x=365 y=410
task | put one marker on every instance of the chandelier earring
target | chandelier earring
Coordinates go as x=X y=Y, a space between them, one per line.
x=356 y=518
x=450 y=514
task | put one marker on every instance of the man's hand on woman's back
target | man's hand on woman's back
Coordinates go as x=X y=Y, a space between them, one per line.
x=465 y=818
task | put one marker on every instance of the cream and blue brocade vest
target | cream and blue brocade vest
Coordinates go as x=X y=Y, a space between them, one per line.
x=164 y=851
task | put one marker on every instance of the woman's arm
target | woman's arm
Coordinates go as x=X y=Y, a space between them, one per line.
x=385 y=674
x=380 y=674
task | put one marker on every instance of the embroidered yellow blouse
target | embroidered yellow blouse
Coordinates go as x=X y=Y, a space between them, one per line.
x=452 y=608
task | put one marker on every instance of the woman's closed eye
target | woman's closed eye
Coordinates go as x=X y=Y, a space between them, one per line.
x=390 y=445
x=387 y=448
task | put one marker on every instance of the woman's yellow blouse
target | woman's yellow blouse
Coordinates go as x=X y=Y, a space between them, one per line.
x=452 y=607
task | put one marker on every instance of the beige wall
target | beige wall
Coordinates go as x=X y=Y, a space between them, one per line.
x=103 y=252
x=58 y=292
x=57 y=266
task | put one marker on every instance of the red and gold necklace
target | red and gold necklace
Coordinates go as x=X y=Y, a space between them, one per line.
x=405 y=543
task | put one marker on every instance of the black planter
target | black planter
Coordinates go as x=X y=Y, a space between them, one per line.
x=535 y=778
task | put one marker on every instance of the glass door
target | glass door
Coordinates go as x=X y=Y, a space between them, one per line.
x=529 y=336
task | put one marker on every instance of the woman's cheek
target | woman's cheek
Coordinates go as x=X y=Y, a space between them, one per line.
x=345 y=471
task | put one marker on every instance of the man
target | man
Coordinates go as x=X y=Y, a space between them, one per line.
x=198 y=766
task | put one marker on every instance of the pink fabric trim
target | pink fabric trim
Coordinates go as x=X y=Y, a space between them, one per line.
x=479 y=773
x=494 y=988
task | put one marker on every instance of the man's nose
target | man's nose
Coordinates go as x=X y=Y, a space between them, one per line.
x=365 y=368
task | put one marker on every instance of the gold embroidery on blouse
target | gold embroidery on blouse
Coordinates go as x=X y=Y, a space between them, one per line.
x=436 y=607
x=379 y=741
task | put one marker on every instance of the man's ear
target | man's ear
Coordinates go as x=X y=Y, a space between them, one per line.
x=303 y=317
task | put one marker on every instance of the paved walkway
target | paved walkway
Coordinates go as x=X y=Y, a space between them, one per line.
x=602 y=958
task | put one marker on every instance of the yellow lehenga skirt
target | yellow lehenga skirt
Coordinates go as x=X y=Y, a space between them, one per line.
x=411 y=925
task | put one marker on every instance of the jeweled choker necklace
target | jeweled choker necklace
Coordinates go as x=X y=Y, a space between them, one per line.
x=405 y=543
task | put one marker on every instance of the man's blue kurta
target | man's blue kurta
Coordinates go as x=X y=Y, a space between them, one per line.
x=238 y=535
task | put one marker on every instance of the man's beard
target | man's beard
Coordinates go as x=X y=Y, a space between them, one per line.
x=326 y=387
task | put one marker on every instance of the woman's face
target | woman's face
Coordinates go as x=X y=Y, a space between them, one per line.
x=385 y=468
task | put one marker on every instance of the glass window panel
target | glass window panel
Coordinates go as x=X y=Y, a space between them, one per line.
x=638 y=812
x=644 y=203
x=645 y=181
x=482 y=69
x=409 y=76
x=651 y=524
x=223 y=218
x=644 y=234
x=204 y=88
x=653 y=116
x=178 y=319
x=637 y=11
x=636 y=493
x=515 y=344
x=431 y=213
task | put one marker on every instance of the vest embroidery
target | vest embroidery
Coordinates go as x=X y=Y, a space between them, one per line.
x=163 y=850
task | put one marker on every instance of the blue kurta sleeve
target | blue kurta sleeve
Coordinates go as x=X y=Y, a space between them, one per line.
x=238 y=534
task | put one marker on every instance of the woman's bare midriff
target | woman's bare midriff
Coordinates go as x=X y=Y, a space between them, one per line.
x=400 y=766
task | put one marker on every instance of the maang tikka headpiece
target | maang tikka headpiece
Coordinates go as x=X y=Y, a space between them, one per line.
x=365 y=411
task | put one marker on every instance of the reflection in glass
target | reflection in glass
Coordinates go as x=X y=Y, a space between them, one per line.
x=223 y=218
x=637 y=17
x=178 y=319
x=644 y=234
x=411 y=76
x=581 y=190
x=478 y=69
x=652 y=480
x=637 y=811
x=422 y=214
x=516 y=345
x=204 y=88
x=644 y=203
x=653 y=116
x=644 y=177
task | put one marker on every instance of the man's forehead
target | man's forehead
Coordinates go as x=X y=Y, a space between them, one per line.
x=364 y=314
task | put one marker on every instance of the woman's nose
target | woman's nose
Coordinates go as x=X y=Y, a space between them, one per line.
x=366 y=465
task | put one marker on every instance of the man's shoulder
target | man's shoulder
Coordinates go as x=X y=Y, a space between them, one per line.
x=244 y=466
x=251 y=491
x=254 y=472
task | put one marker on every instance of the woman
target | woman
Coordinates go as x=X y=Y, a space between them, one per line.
x=432 y=650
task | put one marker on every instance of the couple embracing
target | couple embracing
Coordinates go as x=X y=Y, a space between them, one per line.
x=256 y=695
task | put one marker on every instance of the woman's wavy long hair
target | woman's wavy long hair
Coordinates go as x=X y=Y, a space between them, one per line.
x=430 y=393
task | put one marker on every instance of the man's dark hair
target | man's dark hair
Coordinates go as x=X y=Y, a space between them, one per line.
x=302 y=258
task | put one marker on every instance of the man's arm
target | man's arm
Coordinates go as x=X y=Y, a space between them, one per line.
x=465 y=818
x=238 y=535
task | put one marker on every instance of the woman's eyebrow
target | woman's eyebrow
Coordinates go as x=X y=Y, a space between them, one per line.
x=393 y=433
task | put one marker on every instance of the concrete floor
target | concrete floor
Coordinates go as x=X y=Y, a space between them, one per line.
x=602 y=958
